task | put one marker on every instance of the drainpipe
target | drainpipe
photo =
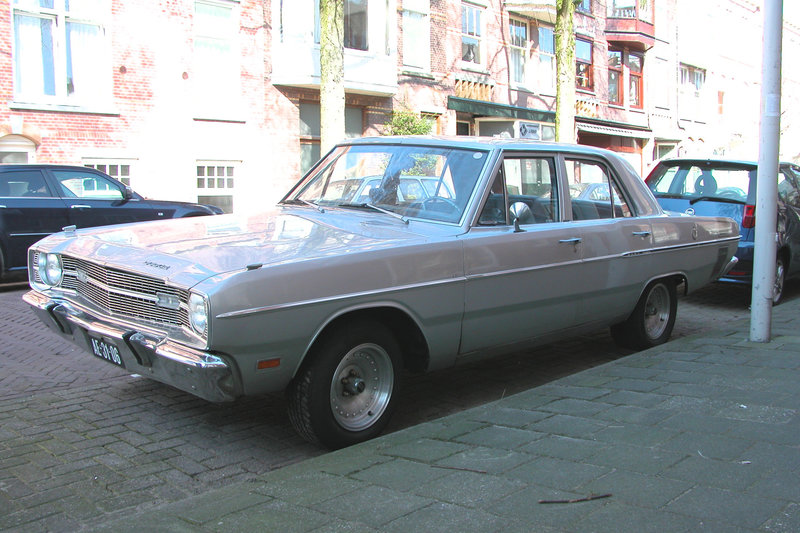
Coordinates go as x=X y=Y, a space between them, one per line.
x=767 y=190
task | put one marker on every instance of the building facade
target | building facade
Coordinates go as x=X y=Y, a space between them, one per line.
x=218 y=100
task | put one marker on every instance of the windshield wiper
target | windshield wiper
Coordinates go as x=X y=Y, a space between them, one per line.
x=306 y=202
x=716 y=199
x=378 y=209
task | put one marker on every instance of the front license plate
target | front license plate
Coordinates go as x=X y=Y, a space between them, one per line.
x=105 y=350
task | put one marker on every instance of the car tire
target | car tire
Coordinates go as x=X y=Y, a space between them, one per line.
x=347 y=390
x=780 y=279
x=653 y=318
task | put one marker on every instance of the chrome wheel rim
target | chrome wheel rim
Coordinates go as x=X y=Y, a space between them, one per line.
x=777 y=288
x=656 y=311
x=361 y=388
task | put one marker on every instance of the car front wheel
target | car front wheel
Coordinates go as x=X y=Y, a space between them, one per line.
x=346 y=392
x=652 y=320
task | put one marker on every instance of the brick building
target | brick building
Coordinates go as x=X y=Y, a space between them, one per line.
x=218 y=100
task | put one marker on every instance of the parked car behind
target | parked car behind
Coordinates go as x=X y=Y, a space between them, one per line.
x=329 y=296
x=38 y=200
x=728 y=188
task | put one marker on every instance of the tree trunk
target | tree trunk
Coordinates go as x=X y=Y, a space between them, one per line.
x=331 y=73
x=565 y=68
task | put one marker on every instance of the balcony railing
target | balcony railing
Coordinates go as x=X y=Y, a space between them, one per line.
x=631 y=9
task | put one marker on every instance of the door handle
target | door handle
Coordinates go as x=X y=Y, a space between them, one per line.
x=642 y=233
x=574 y=240
x=80 y=206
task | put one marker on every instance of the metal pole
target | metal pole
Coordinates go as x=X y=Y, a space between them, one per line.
x=767 y=191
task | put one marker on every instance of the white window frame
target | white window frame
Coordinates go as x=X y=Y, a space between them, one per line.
x=520 y=50
x=219 y=185
x=120 y=169
x=87 y=54
x=216 y=83
x=417 y=34
x=550 y=86
x=476 y=33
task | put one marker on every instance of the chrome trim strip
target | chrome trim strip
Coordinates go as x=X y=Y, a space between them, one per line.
x=459 y=279
x=374 y=292
x=29 y=234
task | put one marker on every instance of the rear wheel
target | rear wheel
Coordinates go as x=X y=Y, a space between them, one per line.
x=346 y=392
x=652 y=320
x=780 y=278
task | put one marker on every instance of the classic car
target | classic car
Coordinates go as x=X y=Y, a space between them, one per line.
x=38 y=199
x=724 y=187
x=330 y=299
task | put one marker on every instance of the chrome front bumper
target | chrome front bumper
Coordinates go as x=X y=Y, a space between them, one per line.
x=194 y=371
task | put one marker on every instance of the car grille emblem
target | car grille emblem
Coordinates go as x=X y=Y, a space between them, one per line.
x=690 y=211
x=82 y=276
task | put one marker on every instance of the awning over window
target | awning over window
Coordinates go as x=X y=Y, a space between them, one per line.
x=539 y=9
x=642 y=133
x=489 y=109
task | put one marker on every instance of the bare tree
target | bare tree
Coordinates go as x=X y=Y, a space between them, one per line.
x=565 y=68
x=331 y=73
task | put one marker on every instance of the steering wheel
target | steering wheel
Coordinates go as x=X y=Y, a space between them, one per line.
x=438 y=200
x=734 y=193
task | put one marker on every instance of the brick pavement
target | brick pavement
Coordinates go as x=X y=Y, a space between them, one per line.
x=82 y=442
x=700 y=434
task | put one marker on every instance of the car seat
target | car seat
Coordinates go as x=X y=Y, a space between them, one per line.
x=705 y=185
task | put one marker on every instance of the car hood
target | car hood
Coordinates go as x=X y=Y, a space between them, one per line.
x=186 y=251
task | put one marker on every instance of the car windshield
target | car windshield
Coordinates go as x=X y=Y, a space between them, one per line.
x=694 y=180
x=432 y=183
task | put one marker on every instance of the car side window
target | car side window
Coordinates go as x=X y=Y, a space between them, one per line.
x=76 y=184
x=524 y=187
x=787 y=189
x=23 y=184
x=594 y=193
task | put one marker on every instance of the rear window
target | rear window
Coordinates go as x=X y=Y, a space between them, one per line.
x=693 y=180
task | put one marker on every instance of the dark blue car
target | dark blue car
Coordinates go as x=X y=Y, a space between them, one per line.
x=37 y=200
x=728 y=188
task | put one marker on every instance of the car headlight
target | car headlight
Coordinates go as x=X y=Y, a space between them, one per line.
x=50 y=268
x=198 y=313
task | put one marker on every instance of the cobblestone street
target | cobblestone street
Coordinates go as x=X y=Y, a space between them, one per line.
x=82 y=441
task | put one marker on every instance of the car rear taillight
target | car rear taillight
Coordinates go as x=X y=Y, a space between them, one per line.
x=749 y=218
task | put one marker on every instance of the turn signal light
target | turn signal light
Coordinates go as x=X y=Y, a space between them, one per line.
x=749 y=218
x=268 y=363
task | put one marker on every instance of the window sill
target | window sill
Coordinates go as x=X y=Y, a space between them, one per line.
x=64 y=108
x=418 y=73
x=472 y=67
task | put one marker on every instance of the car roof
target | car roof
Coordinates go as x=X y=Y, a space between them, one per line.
x=716 y=160
x=479 y=143
x=28 y=166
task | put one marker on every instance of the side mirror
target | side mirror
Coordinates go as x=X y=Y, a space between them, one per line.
x=127 y=193
x=521 y=214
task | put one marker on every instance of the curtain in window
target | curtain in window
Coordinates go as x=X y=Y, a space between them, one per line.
x=34 y=67
x=85 y=79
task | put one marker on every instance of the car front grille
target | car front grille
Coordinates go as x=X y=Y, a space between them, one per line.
x=125 y=295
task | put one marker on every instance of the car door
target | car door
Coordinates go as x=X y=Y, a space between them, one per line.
x=29 y=211
x=789 y=196
x=520 y=281
x=94 y=199
x=612 y=241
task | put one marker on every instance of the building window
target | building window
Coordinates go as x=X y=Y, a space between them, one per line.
x=117 y=169
x=417 y=34
x=518 y=49
x=692 y=79
x=216 y=53
x=635 y=63
x=615 y=77
x=310 y=151
x=215 y=183
x=546 y=50
x=355 y=25
x=631 y=9
x=583 y=64
x=61 y=51
x=585 y=6
x=470 y=34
